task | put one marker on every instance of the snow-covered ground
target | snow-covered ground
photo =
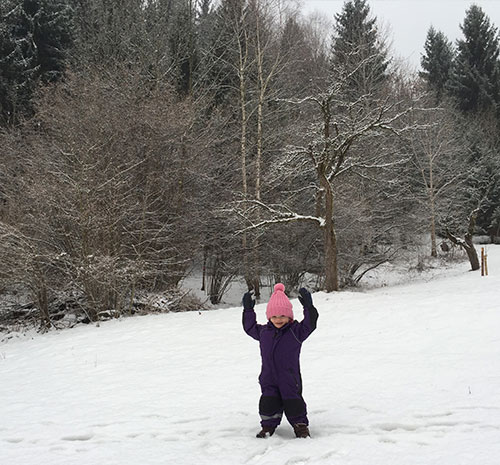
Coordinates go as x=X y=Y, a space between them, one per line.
x=403 y=375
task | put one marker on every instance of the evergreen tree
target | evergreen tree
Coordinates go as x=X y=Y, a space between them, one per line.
x=183 y=50
x=306 y=67
x=475 y=77
x=223 y=47
x=437 y=61
x=357 y=48
x=53 y=35
x=18 y=62
x=34 y=38
x=481 y=143
x=112 y=32
x=475 y=85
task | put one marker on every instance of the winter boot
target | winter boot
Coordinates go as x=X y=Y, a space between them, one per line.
x=266 y=431
x=301 y=430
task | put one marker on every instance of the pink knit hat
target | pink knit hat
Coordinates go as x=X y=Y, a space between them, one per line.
x=279 y=304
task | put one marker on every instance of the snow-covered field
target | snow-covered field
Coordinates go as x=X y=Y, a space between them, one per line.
x=401 y=375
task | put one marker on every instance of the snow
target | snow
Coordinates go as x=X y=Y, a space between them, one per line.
x=405 y=374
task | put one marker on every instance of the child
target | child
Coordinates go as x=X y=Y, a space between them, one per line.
x=280 y=342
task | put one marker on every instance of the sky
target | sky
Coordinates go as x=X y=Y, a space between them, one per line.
x=409 y=20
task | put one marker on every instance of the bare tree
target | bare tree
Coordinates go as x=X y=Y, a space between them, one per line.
x=251 y=33
x=435 y=155
x=332 y=152
x=26 y=260
x=106 y=185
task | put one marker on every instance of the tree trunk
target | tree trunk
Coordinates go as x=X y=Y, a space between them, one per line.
x=433 y=210
x=471 y=253
x=433 y=237
x=204 y=268
x=331 y=266
x=258 y=167
x=43 y=305
x=243 y=55
x=467 y=243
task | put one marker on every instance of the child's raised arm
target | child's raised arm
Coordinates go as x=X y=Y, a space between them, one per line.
x=249 y=318
x=308 y=324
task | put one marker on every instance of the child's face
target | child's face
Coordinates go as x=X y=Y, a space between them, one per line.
x=279 y=321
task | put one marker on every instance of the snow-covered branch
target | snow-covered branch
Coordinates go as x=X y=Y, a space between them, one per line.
x=276 y=214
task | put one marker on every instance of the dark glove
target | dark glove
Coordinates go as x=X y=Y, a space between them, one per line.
x=248 y=301
x=305 y=298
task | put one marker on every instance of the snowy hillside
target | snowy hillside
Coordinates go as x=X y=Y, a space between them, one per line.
x=403 y=375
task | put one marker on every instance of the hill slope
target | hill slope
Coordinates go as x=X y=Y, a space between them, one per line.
x=400 y=375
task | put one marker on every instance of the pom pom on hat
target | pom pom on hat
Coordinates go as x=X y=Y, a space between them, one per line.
x=279 y=304
x=279 y=287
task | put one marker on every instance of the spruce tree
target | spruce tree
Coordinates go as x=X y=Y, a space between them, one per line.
x=113 y=32
x=35 y=36
x=475 y=86
x=18 y=62
x=183 y=46
x=437 y=62
x=475 y=77
x=53 y=35
x=357 y=48
x=222 y=48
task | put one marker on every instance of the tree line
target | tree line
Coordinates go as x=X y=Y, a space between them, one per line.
x=141 y=140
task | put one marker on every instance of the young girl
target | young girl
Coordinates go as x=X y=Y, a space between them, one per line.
x=280 y=342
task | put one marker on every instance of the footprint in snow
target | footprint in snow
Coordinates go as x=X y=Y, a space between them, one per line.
x=396 y=426
x=78 y=437
x=13 y=440
x=297 y=461
x=433 y=415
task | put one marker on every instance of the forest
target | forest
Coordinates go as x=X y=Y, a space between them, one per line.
x=144 y=139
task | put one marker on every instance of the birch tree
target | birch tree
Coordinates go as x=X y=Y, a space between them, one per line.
x=250 y=64
x=269 y=61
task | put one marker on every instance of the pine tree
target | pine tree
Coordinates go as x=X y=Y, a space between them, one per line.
x=357 y=48
x=475 y=77
x=437 y=62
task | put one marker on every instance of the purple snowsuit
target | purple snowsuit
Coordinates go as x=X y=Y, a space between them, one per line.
x=280 y=379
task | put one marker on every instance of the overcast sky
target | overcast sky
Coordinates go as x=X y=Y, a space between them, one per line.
x=409 y=20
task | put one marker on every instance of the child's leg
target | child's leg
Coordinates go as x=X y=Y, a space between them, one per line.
x=293 y=402
x=270 y=407
x=296 y=410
